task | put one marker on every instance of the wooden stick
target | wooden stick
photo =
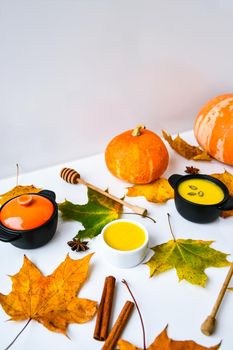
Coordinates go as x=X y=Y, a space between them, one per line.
x=72 y=176
x=118 y=327
x=208 y=325
x=104 y=311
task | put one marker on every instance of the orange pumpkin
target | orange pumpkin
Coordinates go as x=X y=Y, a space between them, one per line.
x=214 y=128
x=137 y=156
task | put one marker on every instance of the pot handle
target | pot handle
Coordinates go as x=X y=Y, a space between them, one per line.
x=48 y=193
x=173 y=179
x=8 y=237
x=228 y=205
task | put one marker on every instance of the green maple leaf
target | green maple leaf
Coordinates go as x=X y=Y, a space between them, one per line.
x=94 y=215
x=189 y=257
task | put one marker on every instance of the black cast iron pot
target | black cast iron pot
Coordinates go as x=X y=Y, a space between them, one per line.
x=35 y=237
x=195 y=212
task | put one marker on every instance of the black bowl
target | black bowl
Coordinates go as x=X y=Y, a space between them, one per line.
x=36 y=237
x=200 y=213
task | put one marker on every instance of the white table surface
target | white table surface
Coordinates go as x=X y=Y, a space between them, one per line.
x=162 y=299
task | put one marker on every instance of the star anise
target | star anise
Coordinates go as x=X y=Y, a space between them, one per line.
x=191 y=170
x=79 y=246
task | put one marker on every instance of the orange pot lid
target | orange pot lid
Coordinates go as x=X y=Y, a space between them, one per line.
x=26 y=212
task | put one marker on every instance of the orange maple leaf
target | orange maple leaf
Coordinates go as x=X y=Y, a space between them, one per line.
x=16 y=191
x=50 y=300
x=163 y=342
x=158 y=191
x=227 y=179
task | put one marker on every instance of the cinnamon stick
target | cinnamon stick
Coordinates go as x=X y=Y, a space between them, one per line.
x=107 y=307
x=100 y=313
x=104 y=311
x=118 y=327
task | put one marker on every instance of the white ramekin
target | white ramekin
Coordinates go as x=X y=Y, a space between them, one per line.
x=122 y=258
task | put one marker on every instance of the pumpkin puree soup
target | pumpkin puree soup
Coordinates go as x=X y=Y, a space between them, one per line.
x=201 y=191
x=124 y=236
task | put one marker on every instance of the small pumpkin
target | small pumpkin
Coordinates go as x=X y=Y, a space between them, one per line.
x=214 y=128
x=137 y=156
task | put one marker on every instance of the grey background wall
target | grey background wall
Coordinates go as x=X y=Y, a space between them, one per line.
x=75 y=73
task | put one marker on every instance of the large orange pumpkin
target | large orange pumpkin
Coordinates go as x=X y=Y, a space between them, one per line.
x=137 y=156
x=214 y=128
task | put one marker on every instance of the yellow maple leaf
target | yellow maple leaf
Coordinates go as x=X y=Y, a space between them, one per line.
x=17 y=191
x=184 y=149
x=227 y=179
x=50 y=300
x=158 y=191
x=163 y=342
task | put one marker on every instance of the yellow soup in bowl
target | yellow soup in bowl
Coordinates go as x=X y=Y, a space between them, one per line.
x=201 y=191
x=124 y=236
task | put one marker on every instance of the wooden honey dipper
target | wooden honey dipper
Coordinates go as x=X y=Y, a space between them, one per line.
x=208 y=325
x=73 y=177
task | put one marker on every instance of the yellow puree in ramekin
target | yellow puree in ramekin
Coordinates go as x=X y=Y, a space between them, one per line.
x=124 y=236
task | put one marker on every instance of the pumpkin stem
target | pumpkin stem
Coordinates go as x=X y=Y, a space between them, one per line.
x=137 y=130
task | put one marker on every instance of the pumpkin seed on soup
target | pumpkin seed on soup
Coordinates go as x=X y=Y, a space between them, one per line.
x=193 y=187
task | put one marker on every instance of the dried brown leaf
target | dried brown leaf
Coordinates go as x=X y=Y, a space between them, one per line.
x=185 y=149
